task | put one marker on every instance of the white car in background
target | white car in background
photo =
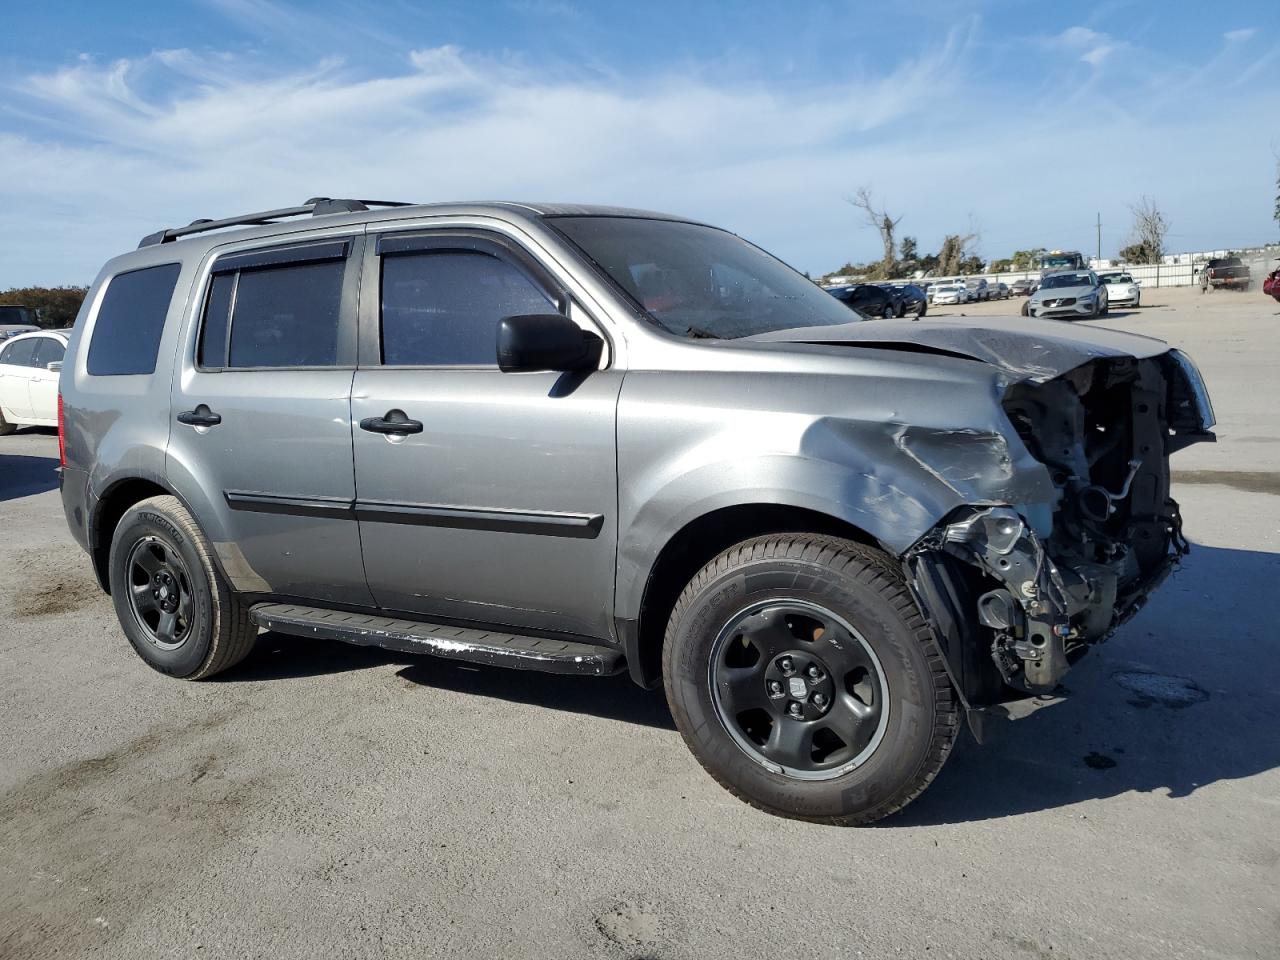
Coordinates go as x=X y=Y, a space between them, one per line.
x=951 y=293
x=1122 y=289
x=29 y=365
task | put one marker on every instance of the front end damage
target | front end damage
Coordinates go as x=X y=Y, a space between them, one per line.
x=1017 y=593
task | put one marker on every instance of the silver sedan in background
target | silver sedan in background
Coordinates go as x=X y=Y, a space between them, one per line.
x=1068 y=294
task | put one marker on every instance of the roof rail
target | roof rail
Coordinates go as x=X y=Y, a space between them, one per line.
x=316 y=206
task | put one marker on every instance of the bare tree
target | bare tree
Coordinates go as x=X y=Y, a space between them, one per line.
x=1277 y=210
x=1149 y=230
x=956 y=248
x=883 y=223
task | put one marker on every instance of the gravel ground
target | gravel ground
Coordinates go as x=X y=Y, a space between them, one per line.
x=323 y=800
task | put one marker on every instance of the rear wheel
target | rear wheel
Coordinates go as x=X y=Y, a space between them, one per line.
x=182 y=618
x=802 y=677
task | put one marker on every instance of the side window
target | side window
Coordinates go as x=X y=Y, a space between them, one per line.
x=50 y=349
x=442 y=308
x=126 y=335
x=19 y=354
x=282 y=315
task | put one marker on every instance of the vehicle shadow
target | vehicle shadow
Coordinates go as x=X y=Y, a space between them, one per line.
x=22 y=476
x=613 y=698
x=1214 y=721
x=278 y=656
x=1106 y=739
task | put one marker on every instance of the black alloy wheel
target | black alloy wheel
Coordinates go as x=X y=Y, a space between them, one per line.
x=160 y=592
x=798 y=688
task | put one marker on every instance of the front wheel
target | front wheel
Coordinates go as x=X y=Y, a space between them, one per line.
x=180 y=615
x=888 y=312
x=6 y=427
x=801 y=675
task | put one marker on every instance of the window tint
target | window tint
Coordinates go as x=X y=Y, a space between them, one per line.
x=287 y=316
x=126 y=335
x=217 y=313
x=441 y=308
x=19 y=354
x=49 y=350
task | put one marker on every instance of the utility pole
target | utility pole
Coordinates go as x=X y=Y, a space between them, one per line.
x=1099 y=236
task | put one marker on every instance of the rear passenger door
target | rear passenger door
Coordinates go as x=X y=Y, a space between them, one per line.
x=16 y=358
x=43 y=385
x=501 y=506
x=261 y=437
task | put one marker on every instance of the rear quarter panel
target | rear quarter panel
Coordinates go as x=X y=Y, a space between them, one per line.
x=117 y=427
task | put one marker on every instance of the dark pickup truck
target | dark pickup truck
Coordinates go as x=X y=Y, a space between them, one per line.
x=1224 y=272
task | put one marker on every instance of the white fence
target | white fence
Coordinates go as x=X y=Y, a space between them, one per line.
x=1156 y=275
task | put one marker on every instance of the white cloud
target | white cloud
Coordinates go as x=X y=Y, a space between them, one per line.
x=1089 y=45
x=1241 y=35
x=94 y=155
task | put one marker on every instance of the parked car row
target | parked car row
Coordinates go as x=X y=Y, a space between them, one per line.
x=883 y=299
x=966 y=290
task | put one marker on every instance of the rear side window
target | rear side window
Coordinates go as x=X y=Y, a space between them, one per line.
x=19 y=354
x=442 y=308
x=280 y=315
x=126 y=335
x=51 y=349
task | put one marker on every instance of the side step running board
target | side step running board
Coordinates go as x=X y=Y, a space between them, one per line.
x=458 y=643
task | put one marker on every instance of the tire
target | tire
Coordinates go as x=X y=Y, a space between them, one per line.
x=809 y=592
x=6 y=427
x=924 y=308
x=888 y=312
x=157 y=540
x=1026 y=308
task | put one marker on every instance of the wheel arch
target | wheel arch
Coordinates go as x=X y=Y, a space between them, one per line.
x=112 y=504
x=693 y=546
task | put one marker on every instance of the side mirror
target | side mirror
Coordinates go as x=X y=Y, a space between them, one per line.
x=545 y=341
x=53 y=365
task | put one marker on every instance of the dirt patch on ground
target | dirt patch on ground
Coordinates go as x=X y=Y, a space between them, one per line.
x=48 y=581
x=84 y=847
x=1249 y=481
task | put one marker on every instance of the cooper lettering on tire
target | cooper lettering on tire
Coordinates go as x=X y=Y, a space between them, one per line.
x=815 y=691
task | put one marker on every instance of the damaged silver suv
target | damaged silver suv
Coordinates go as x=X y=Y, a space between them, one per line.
x=588 y=440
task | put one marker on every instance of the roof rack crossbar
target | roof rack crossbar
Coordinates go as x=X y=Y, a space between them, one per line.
x=316 y=206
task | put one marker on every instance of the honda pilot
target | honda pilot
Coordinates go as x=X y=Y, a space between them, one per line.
x=590 y=440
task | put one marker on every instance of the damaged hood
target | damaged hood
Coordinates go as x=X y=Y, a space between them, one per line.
x=1024 y=348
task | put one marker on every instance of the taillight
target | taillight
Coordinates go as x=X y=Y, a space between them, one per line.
x=62 y=434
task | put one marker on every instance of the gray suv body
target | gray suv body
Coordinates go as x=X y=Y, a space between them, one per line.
x=587 y=439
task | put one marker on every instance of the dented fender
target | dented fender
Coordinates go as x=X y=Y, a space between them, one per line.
x=824 y=443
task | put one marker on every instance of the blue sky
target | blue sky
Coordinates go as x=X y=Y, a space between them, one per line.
x=1020 y=120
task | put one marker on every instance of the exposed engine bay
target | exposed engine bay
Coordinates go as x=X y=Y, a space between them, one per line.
x=1018 y=592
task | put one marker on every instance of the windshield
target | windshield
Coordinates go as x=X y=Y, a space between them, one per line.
x=1065 y=280
x=697 y=281
x=1117 y=278
x=1051 y=260
x=11 y=314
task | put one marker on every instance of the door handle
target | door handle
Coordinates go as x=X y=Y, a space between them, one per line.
x=201 y=416
x=395 y=422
